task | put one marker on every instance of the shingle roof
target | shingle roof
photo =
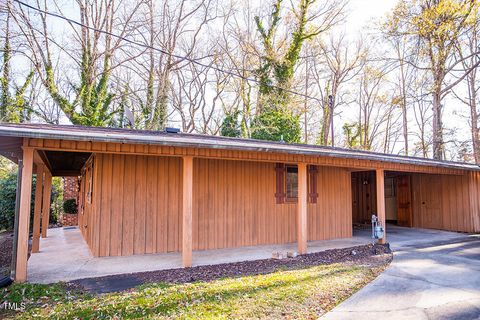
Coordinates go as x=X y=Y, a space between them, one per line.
x=80 y=133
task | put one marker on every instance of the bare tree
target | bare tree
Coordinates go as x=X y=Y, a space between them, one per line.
x=418 y=92
x=172 y=31
x=197 y=97
x=375 y=111
x=16 y=99
x=436 y=26
x=466 y=52
x=403 y=72
x=238 y=45
x=336 y=62
x=87 y=99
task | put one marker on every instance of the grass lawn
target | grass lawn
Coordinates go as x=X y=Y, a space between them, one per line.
x=303 y=293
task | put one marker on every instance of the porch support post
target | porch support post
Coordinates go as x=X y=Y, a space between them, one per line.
x=24 y=216
x=47 y=192
x=380 y=178
x=187 y=211
x=38 y=209
x=302 y=209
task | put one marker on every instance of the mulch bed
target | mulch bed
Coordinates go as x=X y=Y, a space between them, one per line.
x=362 y=255
x=6 y=246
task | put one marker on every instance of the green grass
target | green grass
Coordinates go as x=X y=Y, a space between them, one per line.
x=305 y=293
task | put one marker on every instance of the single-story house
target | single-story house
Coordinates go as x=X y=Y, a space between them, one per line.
x=153 y=192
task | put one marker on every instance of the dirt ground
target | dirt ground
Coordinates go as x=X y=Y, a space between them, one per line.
x=6 y=246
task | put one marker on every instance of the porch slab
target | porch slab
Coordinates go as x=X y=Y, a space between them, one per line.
x=65 y=256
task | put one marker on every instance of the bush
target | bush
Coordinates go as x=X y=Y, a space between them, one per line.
x=70 y=206
x=8 y=187
x=230 y=125
x=277 y=125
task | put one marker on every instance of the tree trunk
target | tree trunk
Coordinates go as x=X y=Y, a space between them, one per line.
x=437 y=130
x=331 y=103
x=404 y=107
x=4 y=103
x=474 y=120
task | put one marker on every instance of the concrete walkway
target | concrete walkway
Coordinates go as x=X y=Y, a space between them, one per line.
x=434 y=275
x=65 y=256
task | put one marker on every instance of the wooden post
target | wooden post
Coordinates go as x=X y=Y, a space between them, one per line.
x=380 y=178
x=24 y=216
x=187 y=211
x=37 y=213
x=302 y=209
x=47 y=191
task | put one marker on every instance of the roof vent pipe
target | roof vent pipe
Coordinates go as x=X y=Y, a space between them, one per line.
x=172 y=130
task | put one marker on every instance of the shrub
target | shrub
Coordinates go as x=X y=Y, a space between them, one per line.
x=230 y=125
x=8 y=187
x=277 y=125
x=70 y=206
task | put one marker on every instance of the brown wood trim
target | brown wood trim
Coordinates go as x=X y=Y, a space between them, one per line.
x=119 y=148
x=280 y=194
x=312 y=183
x=187 y=211
x=380 y=180
x=37 y=209
x=24 y=215
x=302 y=209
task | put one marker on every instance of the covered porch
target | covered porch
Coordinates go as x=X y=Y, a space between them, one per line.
x=65 y=256
x=160 y=201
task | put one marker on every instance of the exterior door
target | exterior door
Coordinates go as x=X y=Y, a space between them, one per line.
x=404 y=201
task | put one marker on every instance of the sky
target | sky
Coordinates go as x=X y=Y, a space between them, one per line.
x=362 y=12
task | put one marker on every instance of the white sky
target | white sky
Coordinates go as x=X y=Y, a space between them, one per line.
x=361 y=15
x=363 y=12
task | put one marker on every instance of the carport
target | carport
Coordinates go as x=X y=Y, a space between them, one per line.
x=419 y=200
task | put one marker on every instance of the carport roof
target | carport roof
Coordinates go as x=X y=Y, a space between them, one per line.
x=129 y=136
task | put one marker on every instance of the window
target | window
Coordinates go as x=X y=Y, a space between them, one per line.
x=89 y=181
x=291 y=183
x=390 y=190
x=287 y=183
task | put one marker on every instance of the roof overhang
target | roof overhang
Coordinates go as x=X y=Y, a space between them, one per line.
x=127 y=136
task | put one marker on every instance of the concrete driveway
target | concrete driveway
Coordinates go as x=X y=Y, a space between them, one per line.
x=434 y=275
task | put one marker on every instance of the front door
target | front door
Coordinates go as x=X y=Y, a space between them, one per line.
x=404 y=201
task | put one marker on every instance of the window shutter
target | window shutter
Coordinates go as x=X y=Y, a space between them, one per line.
x=280 y=178
x=312 y=184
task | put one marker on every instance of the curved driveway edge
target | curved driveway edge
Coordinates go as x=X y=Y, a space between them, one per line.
x=433 y=275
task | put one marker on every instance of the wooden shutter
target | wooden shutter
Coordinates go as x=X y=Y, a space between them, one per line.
x=312 y=184
x=280 y=182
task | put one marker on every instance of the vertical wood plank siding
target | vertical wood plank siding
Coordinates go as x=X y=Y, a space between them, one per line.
x=446 y=202
x=364 y=196
x=140 y=204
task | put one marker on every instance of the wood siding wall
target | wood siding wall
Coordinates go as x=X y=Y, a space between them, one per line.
x=139 y=205
x=364 y=196
x=85 y=212
x=331 y=216
x=474 y=196
x=446 y=202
